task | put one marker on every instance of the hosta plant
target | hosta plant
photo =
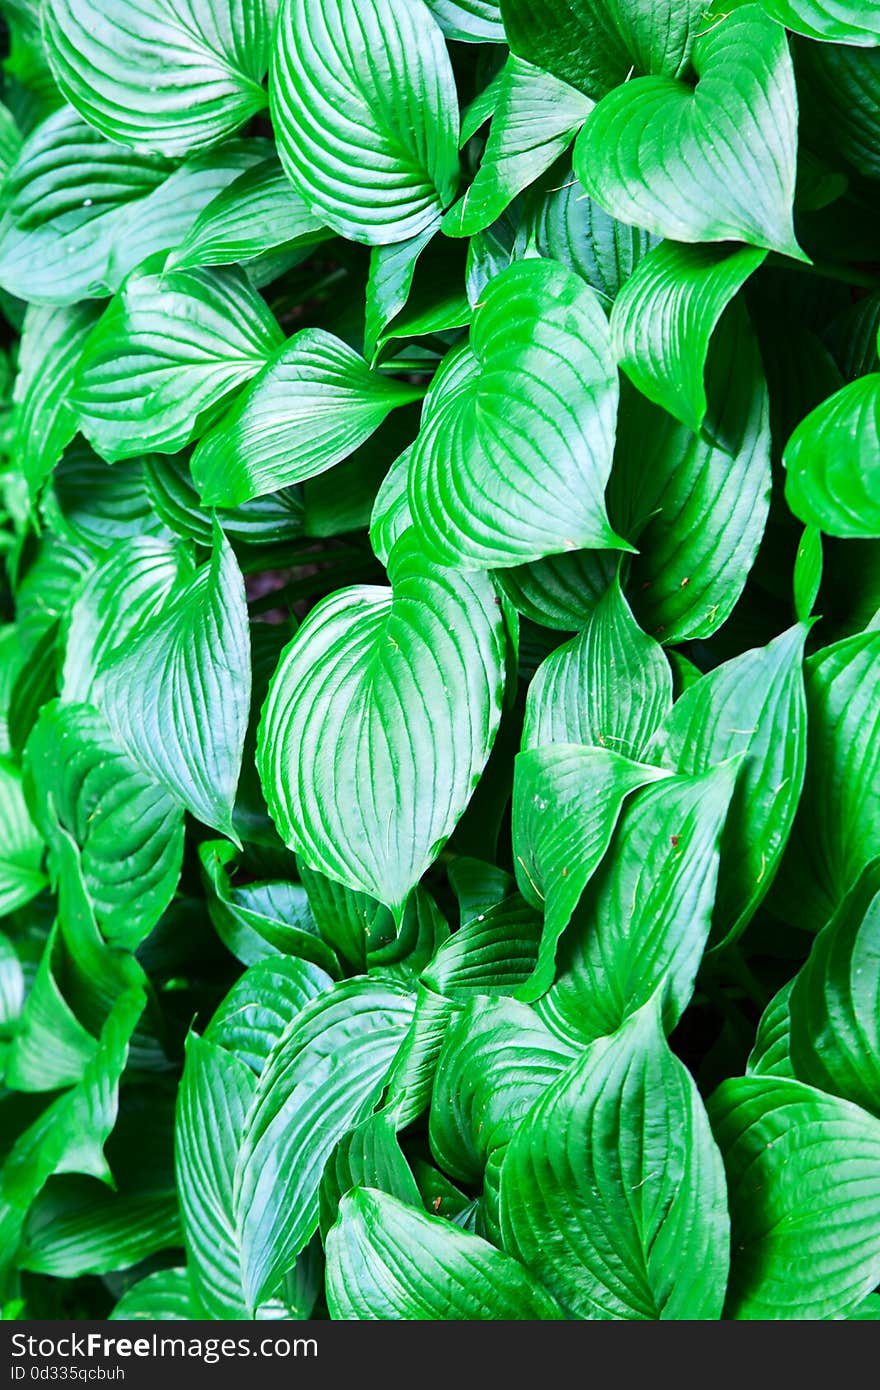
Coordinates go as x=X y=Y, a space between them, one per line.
x=440 y=659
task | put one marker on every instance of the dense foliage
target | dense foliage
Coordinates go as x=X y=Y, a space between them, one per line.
x=440 y=680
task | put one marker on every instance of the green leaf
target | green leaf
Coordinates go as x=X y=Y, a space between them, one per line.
x=310 y=407
x=392 y=270
x=129 y=831
x=365 y=795
x=834 y=1007
x=566 y=801
x=568 y=226
x=261 y=1004
x=95 y=504
x=612 y=1191
x=752 y=706
x=610 y=687
x=836 y=21
x=257 y=212
x=600 y=44
x=803 y=1247
x=561 y=591
x=51 y=347
x=807 y=573
x=835 y=835
x=497 y=1059
x=132 y=586
x=51 y=1048
x=665 y=315
x=536 y=119
x=497 y=476
x=696 y=505
x=470 y=21
x=832 y=479
x=177 y=692
x=215 y=1094
x=163 y=357
x=322 y=1078
x=270 y=521
x=369 y=1156
x=387 y=1261
x=21 y=846
x=644 y=920
x=119 y=63
x=78 y=1226
x=721 y=154
x=164 y=1296
x=771 y=1054
x=257 y=921
x=840 y=99
x=367 y=130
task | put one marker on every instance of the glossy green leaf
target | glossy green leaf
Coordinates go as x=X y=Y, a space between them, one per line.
x=571 y=228
x=752 y=706
x=128 y=829
x=322 y=1078
x=561 y=591
x=313 y=404
x=803 y=1247
x=645 y=917
x=119 y=63
x=270 y=521
x=664 y=318
x=257 y=212
x=369 y=1156
x=367 y=130
x=364 y=796
x=499 y=478
x=536 y=119
x=837 y=21
x=215 y=1094
x=77 y=1226
x=164 y=1296
x=261 y=1004
x=165 y=354
x=21 y=846
x=833 y=481
x=721 y=165
x=612 y=1191
x=834 y=1007
x=771 y=1054
x=388 y=1261
x=835 y=834
x=51 y=347
x=95 y=504
x=566 y=801
x=177 y=691
x=469 y=20
x=497 y=1059
x=807 y=573
x=610 y=687
x=840 y=94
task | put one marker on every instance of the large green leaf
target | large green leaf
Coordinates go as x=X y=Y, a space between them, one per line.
x=131 y=586
x=835 y=833
x=664 y=318
x=501 y=475
x=323 y=1077
x=215 y=1093
x=833 y=479
x=128 y=829
x=51 y=346
x=536 y=119
x=120 y=63
x=162 y=358
x=470 y=21
x=803 y=1246
x=313 y=404
x=78 y=1226
x=497 y=1059
x=610 y=687
x=364 y=759
x=696 y=505
x=164 y=1296
x=566 y=801
x=366 y=114
x=720 y=161
x=257 y=212
x=644 y=920
x=612 y=1190
x=838 y=21
x=753 y=706
x=599 y=45
x=368 y=1156
x=561 y=591
x=261 y=1004
x=177 y=691
x=21 y=846
x=270 y=521
x=94 y=504
x=835 y=1001
x=387 y=1261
